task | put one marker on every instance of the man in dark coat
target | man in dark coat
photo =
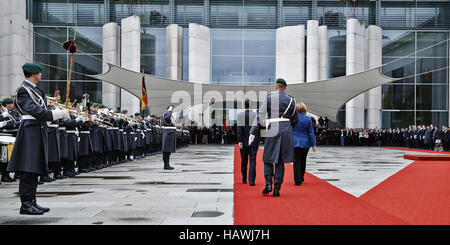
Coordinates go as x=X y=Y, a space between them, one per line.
x=30 y=154
x=245 y=120
x=282 y=115
x=168 y=137
x=10 y=120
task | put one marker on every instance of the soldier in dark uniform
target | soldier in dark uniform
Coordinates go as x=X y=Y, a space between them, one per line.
x=85 y=149
x=11 y=119
x=30 y=153
x=68 y=163
x=245 y=120
x=168 y=137
x=282 y=115
x=54 y=150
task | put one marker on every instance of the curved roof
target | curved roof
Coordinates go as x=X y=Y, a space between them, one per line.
x=323 y=98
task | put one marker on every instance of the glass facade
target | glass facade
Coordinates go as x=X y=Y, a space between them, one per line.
x=243 y=44
x=56 y=62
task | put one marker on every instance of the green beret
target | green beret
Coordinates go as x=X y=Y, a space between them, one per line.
x=170 y=106
x=137 y=114
x=32 y=68
x=152 y=115
x=101 y=106
x=94 y=104
x=124 y=111
x=282 y=81
x=7 y=101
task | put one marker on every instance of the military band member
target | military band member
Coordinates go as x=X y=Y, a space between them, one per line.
x=9 y=123
x=168 y=137
x=30 y=153
x=72 y=147
x=281 y=112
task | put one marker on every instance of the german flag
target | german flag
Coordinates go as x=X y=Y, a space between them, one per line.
x=144 y=100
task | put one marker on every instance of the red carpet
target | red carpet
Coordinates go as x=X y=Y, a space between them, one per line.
x=316 y=202
x=418 y=194
x=418 y=150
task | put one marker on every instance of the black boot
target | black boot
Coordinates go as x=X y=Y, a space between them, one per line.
x=46 y=179
x=276 y=190
x=7 y=178
x=28 y=208
x=43 y=209
x=268 y=186
x=167 y=166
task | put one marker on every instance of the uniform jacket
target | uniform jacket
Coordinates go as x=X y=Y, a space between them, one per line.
x=30 y=152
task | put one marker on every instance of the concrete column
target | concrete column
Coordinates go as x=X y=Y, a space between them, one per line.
x=174 y=52
x=323 y=52
x=199 y=53
x=290 y=53
x=312 y=51
x=16 y=45
x=111 y=54
x=374 y=54
x=354 y=109
x=131 y=58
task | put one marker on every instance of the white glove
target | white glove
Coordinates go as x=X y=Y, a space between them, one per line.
x=2 y=124
x=5 y=114
x=250 y=139
x=66 y=114
x=58 y=114
x=78 y=119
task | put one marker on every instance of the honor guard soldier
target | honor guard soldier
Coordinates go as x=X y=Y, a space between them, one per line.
x=281 y=113
x=9 y=123
x=168 y=137
x=140 y=144
x=30 y=153
x=72 y=147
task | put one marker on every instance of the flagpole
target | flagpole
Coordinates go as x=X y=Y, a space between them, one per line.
x=70 y=69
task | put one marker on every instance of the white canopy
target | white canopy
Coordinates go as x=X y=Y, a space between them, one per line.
x=323 y=98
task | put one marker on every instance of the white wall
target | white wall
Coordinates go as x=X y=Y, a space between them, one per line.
x=290 y=53
x=131 y=58
x=174 y=52
x=111 y=54
x=199 y=53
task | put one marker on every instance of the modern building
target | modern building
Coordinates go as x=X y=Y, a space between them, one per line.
x=241 y=42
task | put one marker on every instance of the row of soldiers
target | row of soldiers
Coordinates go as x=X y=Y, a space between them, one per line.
x=427 y=137
x=104 y=140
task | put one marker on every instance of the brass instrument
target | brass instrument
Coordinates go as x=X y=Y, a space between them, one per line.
x=78 y=113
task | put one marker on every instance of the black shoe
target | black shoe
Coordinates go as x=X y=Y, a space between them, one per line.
x=276 y=190
x=168 y=167
x=299 y=183
x=276 y=193
x=67 y=174
x=6 y=178
x=43 y=209
x=29 y=209
x=267 y=189
x=40 y=182
x=46 y=179
x=244 y=181
x=58 y=176
x=252 y=184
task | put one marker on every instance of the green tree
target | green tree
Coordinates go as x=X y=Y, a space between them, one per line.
x=354 y=4
x=131 y=4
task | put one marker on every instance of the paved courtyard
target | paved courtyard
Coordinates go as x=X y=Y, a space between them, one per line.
x=198 y=191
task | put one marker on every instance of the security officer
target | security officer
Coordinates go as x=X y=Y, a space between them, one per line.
x=245 y=120
x=168 y=137
x=11 y=119
x=281 y=113
x=30 y=154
